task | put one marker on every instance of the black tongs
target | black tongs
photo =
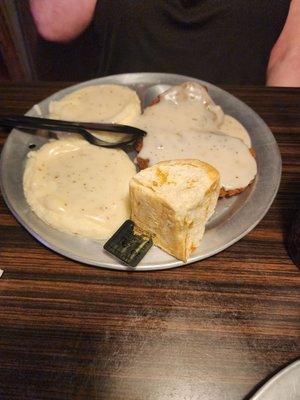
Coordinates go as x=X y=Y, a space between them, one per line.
x=120 y=134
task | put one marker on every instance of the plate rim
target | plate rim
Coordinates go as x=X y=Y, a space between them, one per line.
x=161 y=266
x=282 y=373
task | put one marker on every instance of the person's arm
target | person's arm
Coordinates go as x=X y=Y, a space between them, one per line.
x=62 y=20
x=284 y=63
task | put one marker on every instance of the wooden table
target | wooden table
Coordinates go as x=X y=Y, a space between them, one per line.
x=213 y=330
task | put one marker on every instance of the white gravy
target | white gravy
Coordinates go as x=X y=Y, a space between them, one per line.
x=98 y=103
x=230 y=126
x=79 y=188
x=185 y=123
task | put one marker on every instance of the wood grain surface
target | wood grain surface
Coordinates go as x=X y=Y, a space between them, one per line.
x=213 y=330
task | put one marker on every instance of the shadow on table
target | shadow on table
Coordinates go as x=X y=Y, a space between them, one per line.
x=288 y=201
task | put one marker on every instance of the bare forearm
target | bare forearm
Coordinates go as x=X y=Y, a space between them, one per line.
x=285 y=71
x=62 y=20
x=284 y=62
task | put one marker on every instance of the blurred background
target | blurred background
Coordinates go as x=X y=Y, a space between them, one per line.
x=25 y=56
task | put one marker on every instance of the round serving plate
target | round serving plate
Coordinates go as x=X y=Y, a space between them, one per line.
x=233 y=219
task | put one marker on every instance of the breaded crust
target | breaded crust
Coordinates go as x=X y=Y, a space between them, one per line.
x=142 y=163
x=229 y=193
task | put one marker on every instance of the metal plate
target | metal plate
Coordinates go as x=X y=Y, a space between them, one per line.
x=234 y=217
x=285 y=385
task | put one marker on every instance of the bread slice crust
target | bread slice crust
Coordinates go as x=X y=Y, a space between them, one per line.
x=173 y=211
